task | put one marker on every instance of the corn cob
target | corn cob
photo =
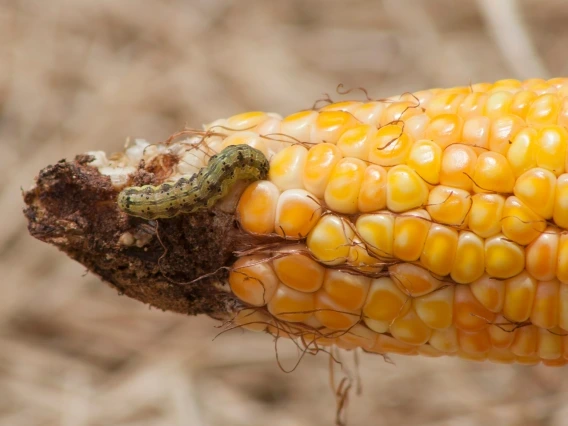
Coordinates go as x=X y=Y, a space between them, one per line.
x=430 y=223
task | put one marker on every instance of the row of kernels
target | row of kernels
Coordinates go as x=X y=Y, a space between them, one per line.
x=440 y=249
x=348 y=185
x=262 y=209
x=412 y=236
x=456 y=163
x=525 y=344
x=538 y=104
x=521 y=218
x=416 y=322
x=523 y=298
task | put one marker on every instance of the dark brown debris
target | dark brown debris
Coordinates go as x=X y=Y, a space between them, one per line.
x=73 y=207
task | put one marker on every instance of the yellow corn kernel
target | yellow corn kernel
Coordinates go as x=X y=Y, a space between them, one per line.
x=439 y=249
x=536 y=188
x=545 y=306
x=458 y=165
x=349 y=290
x=550 y=345
x=298 y=126
x=416 y=125
x=503 y=258
x=445 y=102
x=271 y=126
x=330 y=239
x=562 y=264
x=506 y=85
x=299 y=272
x=410 y=233
x=448 y=205
x=397 y=111
x=348 y=106
x=526 y=341
x=360 y=336
x=522 y=152
x=563 y=114
x=476 y=133
x=287 y=167
x=503 y=130
x=429 y=351
x=246 y=138
x=362 y=259
x=500 y=356
x=355 y=142
x=436 y=309
x=474 y=342
x=342 y=190
x=376 y=325
x=551 y=148
x=385 y=301
x=473 y=105
x=257 y=207
x=424 y=97
x=542 y=255
x=332 y=314
x=389 y=146
x=253 y=280
x=425 y=158
x=502 y=332
x=291 y=305
x=410 y=329
x=377 y=232
x=297 y=213
x=405 y=189
x=543 y=110
x=469 y=313
x=413 y=279
x=519 y=297
x=469 y=263
x=330 y=125
x=320 y=162
x=493 y=174
x=563 y=306
x=519 y=223
x=560 y=215
x=445 y=340
x=246 y=120
x=537 y=85
x=498 y=104
x=369 y=112
x=490 y=292
x=521 y=103
x=444 y=129
x=485 y=214
x=373 y=193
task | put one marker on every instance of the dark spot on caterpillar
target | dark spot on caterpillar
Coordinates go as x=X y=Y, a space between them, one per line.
x=202 y=190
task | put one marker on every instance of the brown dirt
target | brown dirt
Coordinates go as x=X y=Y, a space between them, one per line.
x=85 y=74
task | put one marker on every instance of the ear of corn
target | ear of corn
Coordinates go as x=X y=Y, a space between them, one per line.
x=432 y=223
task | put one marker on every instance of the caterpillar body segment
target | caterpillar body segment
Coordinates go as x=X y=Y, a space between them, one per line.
x=201 y=191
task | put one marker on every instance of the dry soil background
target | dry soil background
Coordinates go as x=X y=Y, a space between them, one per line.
x=77 y=75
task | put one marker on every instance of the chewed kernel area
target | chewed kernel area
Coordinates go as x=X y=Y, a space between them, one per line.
x=432 y=223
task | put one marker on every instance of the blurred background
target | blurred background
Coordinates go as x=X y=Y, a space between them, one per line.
x=78 y=75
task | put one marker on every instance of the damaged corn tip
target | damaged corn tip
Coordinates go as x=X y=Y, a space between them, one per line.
x=433 y=224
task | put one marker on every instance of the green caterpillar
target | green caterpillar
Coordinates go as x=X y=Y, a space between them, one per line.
x=201 y=191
